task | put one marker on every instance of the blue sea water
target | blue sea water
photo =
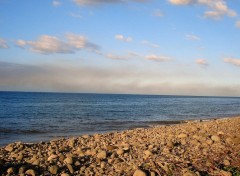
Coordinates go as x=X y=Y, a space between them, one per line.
x=32 y=117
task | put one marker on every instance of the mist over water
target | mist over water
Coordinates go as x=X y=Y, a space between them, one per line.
x=32 y=117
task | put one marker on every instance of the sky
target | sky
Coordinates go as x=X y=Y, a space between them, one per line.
x=166 y=47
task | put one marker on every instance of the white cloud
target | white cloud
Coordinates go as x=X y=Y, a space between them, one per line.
x=122 y=38
x=133 y=54
x=202 y=62
x=158 y=13
x=145 y=42
x=192 y=37
x=98 y=2
x=233 y=61
x=56 y=3
x=237 y=24
x=216 y=8
x=3 y=44
x=157 y=58
x=115 y=57
x=75 y=15
x=180 y=2
x=46 y=44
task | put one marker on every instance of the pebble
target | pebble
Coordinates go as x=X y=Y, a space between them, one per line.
x=9 y=148
x=68 y=160
x=139 y=173
x=10 y=170
x=102 y=155
x=51 y=157
x=215 y=138
x=30 y=172
x=21 y=170
x=70 y=168
x=182 y=135
x=53 y=169
x=65 y=174
x=226 y=162
x=120 y=151
x=147 y=153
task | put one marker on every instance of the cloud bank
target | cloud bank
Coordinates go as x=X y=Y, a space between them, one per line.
x=46 y=44
x=71 y=78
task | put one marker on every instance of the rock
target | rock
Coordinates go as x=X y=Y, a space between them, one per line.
x=236 y=140
x=226 y=162
x=53 y=169
x=147 y=153
x=10 y=170
x=65 y=174
x=36 y=162
x=61 y=157
x=20 y=156
x=9 y=148
x=120 y=151
x=182 y=135
x=70 y=168
x=170 y=144
x=21 y=170
x=85 y=136
x=77 y=163
x=68 y=160
x=209 y=142
x=215 y=138
x=225 y=173
x=102 y=155
x=152 y=174
x=220 y=133
x=139 y=173
x=103 y=165
x=187 y=172
x=111 y=147
x=30 y=172
x=51 y=157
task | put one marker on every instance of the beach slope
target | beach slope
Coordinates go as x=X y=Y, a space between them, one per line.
x=188 y=149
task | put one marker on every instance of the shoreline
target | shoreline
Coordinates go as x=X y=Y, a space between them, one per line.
x=192 y=147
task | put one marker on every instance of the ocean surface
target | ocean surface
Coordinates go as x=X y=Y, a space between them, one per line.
x=34 y=117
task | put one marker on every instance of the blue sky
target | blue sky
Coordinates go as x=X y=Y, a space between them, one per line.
x=177 y=47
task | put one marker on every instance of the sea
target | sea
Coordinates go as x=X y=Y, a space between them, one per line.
x=34 y=117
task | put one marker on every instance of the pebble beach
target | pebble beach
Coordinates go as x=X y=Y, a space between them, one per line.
x=192 y=148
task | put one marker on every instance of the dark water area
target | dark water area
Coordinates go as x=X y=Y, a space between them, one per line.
x=33 y=117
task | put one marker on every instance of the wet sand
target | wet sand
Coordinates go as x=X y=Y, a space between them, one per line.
x=188 y=149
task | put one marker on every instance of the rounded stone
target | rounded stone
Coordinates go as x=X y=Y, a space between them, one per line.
x=68 y=160
x=53 y=169
x=182 y=135
x=139 y=173
x=70 y=168
x=215 y=138
x=120 y=151
x=30 y=172
x=10 y=170
x=226 y=162
x=102 y=155
x=147 y=152
x=65 y=174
